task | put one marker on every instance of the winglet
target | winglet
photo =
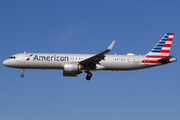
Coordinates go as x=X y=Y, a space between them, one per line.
x=111 y=46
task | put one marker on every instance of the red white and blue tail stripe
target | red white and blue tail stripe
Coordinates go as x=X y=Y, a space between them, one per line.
x=161 y=50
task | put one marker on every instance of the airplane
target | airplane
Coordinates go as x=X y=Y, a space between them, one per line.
x=74 y=64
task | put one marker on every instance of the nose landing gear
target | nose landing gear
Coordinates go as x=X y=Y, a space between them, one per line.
x=89 y=75
x=22 y=75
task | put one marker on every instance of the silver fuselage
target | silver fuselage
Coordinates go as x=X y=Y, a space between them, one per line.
x=57 y=61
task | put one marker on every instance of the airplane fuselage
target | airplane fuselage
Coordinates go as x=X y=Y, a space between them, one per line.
x=57 y=61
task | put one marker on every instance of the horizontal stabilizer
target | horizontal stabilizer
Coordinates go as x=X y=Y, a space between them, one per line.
x=166 y=59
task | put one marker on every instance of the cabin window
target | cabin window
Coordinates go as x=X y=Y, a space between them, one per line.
x=12 y=57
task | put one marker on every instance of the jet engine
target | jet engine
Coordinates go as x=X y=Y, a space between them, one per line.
x=71 y=69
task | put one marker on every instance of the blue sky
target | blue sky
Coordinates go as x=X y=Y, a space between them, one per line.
x=88 y=26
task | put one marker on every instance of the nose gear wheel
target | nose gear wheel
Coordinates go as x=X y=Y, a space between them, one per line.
x=22 y=75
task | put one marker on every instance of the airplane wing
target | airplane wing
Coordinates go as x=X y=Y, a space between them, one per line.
x=96 y=58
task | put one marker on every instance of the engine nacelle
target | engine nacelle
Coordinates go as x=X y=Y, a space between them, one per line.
x=71 y=69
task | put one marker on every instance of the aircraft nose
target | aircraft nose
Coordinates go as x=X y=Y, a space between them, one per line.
x=5 y=62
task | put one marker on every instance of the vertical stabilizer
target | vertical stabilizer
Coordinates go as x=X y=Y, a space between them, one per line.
x=161 y=50
x=163 y=47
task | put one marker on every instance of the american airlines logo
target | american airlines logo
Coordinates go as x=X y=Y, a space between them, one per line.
x=29 y=57
x=50 y=58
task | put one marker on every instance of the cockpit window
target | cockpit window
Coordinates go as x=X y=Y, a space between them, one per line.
x=12 y=57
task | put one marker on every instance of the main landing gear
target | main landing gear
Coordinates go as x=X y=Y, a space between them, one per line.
x=22 y=75
x=89 y=75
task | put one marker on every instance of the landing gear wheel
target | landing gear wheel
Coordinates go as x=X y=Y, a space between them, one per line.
x=22 y=75
x=88 y=78
x=89 y=75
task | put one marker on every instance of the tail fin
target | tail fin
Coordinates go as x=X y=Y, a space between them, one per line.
x=162 y=48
